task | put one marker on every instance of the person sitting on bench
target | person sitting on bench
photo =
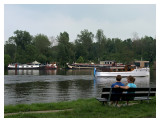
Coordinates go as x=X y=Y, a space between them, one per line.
x=114 y=85
x=130 y=80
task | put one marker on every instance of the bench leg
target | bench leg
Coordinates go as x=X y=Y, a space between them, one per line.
x=127 y=102
x=103 y=103
x=116 y=103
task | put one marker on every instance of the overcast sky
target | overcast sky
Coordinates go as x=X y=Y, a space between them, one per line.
x=116 y=20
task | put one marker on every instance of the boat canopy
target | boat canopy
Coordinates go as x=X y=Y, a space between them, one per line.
x=35 y=62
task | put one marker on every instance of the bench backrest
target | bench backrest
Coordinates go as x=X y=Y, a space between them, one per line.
x=132 y=92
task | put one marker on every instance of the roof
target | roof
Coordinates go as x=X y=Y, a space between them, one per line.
x=35 y=62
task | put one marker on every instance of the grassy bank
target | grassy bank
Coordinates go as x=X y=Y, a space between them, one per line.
x=83 y=108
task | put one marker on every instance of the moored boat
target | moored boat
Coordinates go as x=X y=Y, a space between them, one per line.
x=92 y=65
x=141 y=68
x=33 y=65
x=51 y=66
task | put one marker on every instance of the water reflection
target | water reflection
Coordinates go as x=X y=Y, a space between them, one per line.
x=108 y=81
x=32 y=72
x=23 y=72
x=79 y=72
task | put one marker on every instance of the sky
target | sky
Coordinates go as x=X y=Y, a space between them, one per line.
x=116 y=20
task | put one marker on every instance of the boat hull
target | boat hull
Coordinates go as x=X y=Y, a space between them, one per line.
x=142 y=72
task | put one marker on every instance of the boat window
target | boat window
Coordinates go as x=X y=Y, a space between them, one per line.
x=119 y=70
x=137 y=64
x=146 y=64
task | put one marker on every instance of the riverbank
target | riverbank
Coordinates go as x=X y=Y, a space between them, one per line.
x=82 y=108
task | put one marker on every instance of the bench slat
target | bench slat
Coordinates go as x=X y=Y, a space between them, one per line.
x=128 y=95
x=130 y=89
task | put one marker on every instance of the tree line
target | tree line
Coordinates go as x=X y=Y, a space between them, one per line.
x=25 y=48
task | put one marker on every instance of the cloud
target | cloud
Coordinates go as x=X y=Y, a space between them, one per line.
x=114 y=20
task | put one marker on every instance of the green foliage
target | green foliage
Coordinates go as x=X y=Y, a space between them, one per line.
x=42 y=43
x=24 y=48
x=41 y=58
x=10 y=49
x=21 y=38
x=65 y=49
x=80 y=60
x=84 y=44
x=7 y=60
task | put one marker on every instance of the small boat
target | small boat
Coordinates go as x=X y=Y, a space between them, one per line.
x=139 y=69
x=51 y=66
x=33 y=65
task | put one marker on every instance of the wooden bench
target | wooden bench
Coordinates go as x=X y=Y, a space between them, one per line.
x=131 y=94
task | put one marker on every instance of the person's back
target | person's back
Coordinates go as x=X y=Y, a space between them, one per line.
x=117 y=91
x=132 y=85
x=118 y=82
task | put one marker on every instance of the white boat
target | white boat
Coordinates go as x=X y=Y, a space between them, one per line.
x=139 y=72
x=24 y=66
x=140 y=69
x=33 y=65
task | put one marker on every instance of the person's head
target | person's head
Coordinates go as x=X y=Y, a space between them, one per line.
x=134 y=79
x=130 y=79
x=118 y=78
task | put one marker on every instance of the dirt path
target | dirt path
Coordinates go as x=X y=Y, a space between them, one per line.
x=48 y=111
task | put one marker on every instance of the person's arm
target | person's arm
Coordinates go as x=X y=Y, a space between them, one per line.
x=124 y=87
x=116 y=86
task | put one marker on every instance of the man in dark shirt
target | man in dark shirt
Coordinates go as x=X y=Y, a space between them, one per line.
x=118 y=82
x=116 y=85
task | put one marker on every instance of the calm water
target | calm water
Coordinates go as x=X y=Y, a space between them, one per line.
x=38 y=86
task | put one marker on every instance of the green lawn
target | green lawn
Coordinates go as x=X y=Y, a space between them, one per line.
x=83 y=108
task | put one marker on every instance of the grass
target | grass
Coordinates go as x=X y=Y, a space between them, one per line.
x=83 y=108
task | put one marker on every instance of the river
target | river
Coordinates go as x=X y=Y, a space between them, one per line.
x=42 y=86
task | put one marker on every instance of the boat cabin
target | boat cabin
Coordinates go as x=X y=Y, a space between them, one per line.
x=142 y=64
x=107 y=62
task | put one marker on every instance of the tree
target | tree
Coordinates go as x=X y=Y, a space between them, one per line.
x=10 y=49
x=31 y=53
x=41 y=58
x=42 y=43
x=21 y=38
x=63 y=38
x=65 y=53
x=16 y=45
x=80 y=60
x=149 y=49
x=42 y=46
x=101 y=40
x=85 y=41
x=7 y=60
